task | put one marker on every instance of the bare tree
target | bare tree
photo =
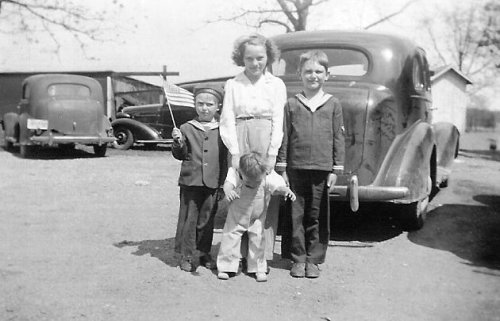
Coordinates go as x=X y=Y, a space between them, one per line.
x=289 y=14
x=467 y=37
x=390 y=15
x=32 y=18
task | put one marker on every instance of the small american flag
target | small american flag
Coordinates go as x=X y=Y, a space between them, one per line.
x=178 y=96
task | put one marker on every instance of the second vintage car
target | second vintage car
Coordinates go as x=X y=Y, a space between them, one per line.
x=148 y=124
x=394 y=153
x=58 y=110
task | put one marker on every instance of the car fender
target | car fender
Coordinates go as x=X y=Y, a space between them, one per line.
x=140 y=130
x=11 y=126
x=447 y=142
x=408 y=162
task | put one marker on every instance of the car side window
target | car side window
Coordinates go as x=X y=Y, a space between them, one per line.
x=342 y=62
x=417 y=75
x=25 y=91
x=427 y=74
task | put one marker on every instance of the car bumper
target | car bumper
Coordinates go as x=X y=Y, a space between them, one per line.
x=356 y=194
x=85 y=140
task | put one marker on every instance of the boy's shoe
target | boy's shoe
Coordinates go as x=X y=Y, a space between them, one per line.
x=206 y=261
x=261 y=277
x=186 y=266
x=223 y=276
x=312 y=270
x=298 y=270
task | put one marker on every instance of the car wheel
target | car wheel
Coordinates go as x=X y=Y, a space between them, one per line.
x=100 y=150
x=124 y=138
x=412 y=216
x=25 y=151
x=8 y=144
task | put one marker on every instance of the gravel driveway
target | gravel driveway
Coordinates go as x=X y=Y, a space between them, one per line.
x=86 y=238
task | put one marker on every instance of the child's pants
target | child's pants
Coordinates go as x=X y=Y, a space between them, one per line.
x=254 y=134
x=310 y=215
x=246 y=214
x=196 y=220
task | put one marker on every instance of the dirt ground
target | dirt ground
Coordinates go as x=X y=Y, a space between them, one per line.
x=85 y=238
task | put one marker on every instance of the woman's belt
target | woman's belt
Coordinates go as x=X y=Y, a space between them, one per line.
x=254 y=117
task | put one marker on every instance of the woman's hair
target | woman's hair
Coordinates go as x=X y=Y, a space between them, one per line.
x=314 y=55
x=254 y=39
x=253 y=165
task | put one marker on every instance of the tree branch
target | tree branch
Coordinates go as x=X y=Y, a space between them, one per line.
x=390 y=15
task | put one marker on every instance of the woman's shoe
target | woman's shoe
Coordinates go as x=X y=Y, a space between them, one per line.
x=223 y=276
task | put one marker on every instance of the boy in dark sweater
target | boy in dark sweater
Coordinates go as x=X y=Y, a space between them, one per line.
x=204 y=165
x=310 y=157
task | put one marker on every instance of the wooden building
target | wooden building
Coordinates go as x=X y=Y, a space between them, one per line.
x=449 y=96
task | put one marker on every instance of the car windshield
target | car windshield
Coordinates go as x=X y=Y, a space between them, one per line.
x=73 y=90
x=342 y=62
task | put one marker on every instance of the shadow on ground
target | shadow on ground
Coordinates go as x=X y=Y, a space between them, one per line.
x=47 y=153
x=470 y=232
x=371 y=223
x=163 y=250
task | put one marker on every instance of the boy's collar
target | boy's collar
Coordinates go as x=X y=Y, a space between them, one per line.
x=204 y=126
x=313 y=105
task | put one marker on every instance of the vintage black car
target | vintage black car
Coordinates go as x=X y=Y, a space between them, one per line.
x=148 y=124
x=59 y=110
x=394 y=153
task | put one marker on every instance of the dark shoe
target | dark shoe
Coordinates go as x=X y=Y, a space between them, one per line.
x=312 y=270
x=298 y=270
x=206 y=261
x=186 y=266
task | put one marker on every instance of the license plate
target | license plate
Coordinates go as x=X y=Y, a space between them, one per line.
x=38 y=123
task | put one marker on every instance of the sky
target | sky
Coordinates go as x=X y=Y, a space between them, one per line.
x=153 y=33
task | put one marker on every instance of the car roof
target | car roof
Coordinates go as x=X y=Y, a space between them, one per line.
x=37 y=83
x=366 y=39
x=44 y=79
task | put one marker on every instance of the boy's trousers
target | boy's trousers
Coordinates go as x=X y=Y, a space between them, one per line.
x=196 y=220
x=246 y=214
x=310 y=215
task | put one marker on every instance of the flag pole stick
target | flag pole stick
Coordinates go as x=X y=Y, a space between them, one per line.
x=164 y=77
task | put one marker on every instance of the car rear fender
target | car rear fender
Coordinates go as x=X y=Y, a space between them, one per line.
x=408 y=162
x=10 y=126
x=138 y=129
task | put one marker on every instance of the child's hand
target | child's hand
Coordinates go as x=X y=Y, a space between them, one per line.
x=232 y=195
x=176 y=134
x=290 y=195
x=332 y=179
